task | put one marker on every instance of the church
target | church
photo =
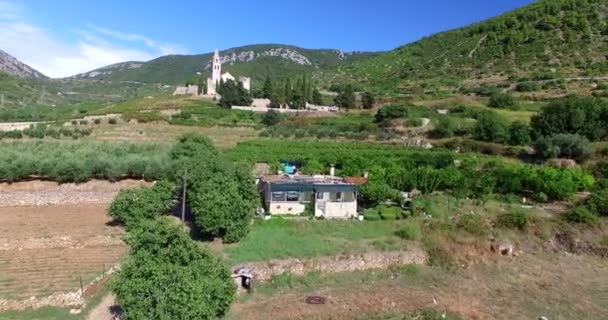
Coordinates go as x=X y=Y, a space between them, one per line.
x=217 y=76
x=213 y=82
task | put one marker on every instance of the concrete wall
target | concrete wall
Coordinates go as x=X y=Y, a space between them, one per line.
x=286 y=208
x=342 y=210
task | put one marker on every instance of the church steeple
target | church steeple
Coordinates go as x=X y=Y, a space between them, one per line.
x=216 y=73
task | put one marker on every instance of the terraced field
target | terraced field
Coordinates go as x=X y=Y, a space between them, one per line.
x=54 y=237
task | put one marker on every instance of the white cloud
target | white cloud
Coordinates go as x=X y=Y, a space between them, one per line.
x=93 y=48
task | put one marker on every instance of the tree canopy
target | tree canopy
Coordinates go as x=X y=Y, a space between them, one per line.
x=233 y=94
x=167 y=276
x=587 y=116
x=222 y=196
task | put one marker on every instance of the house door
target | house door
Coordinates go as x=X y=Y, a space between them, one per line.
x=320 y=200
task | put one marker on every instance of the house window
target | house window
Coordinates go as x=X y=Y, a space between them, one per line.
x=339 y=196
x=278 y=196
x=293 y=196
x=305 y=196
x=320 y=196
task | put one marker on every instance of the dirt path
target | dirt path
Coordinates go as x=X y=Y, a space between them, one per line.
x=105 y=310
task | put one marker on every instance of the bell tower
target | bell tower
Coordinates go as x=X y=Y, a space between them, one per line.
x=216 y=72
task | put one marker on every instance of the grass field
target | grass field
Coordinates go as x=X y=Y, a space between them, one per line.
x=281 y=238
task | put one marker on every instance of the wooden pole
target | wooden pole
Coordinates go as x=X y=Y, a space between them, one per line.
x=184 y=197
x=81 y=287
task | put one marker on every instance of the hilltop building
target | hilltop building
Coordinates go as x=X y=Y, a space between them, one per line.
x=217 y=76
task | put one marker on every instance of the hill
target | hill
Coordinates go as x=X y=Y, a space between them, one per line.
x=547 y=39
x=12 y=66
x=256 y=61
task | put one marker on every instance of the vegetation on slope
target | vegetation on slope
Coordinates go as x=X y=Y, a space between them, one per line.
x=177 y=69
x=547 y=39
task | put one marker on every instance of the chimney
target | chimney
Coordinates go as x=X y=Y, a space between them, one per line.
x=332 y=170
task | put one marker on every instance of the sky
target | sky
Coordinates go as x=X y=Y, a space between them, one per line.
x=65 y=37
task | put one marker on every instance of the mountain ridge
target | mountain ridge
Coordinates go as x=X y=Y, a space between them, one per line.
x=257 y=61
x=13 y=66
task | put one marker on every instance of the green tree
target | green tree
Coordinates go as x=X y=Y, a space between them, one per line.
x=216 y=194
x=519 y=134
x=133 y=206
x=271 y=118
x=368 y=100
x=233 y=94
x=167 y=276
x=346 y=97
x=267 y=89
x=586 y=116
x=317 y=99
x=502 y=101
x=491 y=127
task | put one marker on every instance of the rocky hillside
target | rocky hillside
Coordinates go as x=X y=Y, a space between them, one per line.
x=545 y=40
x=12 y=66
x=256 y=61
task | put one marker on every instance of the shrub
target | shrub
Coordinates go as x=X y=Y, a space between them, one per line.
x=491 y=127
x=390 y=213
x=74 y=122
x=83 y=122
x=96 y=121
x=598 y=202
x=185 y=115
x=271 y=118
x=582 y=215
x=371 y=215
x=542 y=197
x=112 y=121
x=515 y=219
x=446 y=127
x=472 y=223
x=572 y=146
x=389 y=112
x=501 y=101
x=409 y=231
x=519 y=134
x=528 y=87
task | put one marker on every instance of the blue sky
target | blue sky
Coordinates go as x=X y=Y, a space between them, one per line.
x=65 y=37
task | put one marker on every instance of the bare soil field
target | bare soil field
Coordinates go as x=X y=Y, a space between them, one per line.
x=51 y=236
x=222 y=137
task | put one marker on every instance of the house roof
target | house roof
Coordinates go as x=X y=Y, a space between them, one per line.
x=307 y=183
x=356 y=180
